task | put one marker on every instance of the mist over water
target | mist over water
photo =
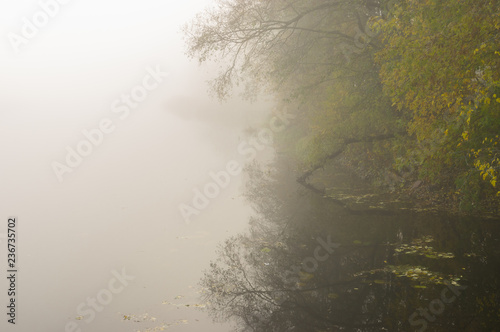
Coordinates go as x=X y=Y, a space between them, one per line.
x=345 y=200
x=118 y=208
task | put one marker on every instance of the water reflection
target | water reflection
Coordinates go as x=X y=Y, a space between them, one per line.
x=308 y=263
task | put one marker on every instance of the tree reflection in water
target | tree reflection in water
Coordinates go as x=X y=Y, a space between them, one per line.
x=389 y=272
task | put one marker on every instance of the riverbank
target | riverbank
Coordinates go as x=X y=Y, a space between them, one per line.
x=360 y=190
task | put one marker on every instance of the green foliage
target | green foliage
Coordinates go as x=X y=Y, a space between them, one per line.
x=441 y=65
x=423 y=75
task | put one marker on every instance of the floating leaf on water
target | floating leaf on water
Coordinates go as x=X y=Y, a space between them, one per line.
x=333 y=295
x=449 y=255
x=304 y=276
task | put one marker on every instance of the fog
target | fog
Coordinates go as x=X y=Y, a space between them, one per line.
x=118 y=208
x=369 y=200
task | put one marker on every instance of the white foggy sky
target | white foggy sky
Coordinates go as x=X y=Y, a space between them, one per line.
x=119 y=207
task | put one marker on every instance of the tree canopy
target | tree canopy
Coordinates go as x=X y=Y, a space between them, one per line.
x=408 y=86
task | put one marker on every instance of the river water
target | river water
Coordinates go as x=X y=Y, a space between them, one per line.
x=108 y=249
x=105 y=247
x=309 y=263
